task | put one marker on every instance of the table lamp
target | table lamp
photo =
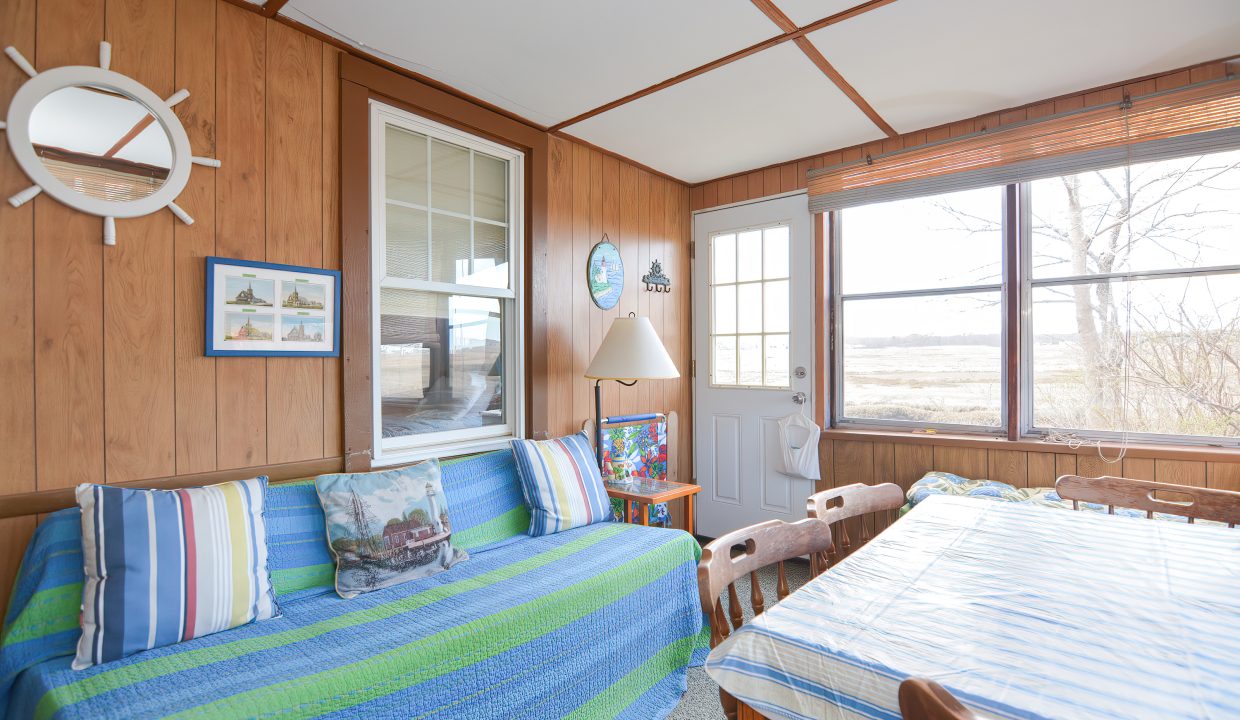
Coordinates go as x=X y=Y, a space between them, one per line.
x=631 y=351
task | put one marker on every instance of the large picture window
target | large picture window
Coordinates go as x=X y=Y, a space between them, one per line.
x=920 y=311
x=1134 y=298
x=446 y=207
x=1128 y=297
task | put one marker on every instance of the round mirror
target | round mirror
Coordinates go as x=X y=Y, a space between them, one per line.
x=101 y=143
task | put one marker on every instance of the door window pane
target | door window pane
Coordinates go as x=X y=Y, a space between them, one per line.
x=750 y=316
x=725 y=309
x=934 y=359
x=723 y=360
x=777 y=354
x=749 y=308
x=775 y=252
x=724 y=256
x=440 y=362
x=749 y=354
x=749 y=256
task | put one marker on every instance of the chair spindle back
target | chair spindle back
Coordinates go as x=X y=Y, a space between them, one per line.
x=856 y=513
x=1194 y=503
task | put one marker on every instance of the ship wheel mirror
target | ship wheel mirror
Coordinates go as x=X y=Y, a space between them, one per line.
x=99 y=142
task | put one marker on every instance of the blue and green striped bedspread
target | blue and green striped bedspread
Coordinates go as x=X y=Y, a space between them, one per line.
x=595 y=622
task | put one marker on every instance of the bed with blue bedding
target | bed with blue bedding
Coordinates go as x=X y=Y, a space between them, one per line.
x=595 y=622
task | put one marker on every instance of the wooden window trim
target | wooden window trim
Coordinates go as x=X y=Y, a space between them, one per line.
x=362 y=81
x=1202 y=453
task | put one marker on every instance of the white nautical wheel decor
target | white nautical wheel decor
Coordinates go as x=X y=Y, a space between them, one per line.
x=99 y=141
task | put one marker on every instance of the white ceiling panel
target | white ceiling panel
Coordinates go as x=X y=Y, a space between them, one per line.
x=770 y=107
x=546 y=60
x=804 y=12
x=922 y=63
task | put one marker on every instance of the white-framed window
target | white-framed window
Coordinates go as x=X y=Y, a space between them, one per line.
x=446 y=209
x=750 y=308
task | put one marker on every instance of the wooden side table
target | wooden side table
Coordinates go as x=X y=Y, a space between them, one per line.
x=652 y=492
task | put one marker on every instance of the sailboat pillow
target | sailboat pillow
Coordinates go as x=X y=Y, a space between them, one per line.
x=386 y=528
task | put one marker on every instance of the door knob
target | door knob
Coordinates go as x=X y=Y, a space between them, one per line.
x=799 y=398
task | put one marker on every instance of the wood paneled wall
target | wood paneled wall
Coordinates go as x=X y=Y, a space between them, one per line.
x=647 y=217
x=844 y=462
x=102 y=363
x=102 y=360
x=789 y=176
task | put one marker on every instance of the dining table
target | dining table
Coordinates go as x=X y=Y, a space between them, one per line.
x=1020 y=611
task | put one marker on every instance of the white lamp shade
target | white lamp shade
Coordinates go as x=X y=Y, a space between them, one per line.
x=631 y=351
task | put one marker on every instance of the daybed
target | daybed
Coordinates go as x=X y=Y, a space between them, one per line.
x=599 y=621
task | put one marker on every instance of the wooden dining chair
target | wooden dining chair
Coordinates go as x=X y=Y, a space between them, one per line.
x=746 y=551
x=855 y=513
x=922 y=699
x=1194 y=503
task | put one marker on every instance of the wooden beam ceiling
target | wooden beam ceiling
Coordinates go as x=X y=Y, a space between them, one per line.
x=785 y=23
x=792 y=34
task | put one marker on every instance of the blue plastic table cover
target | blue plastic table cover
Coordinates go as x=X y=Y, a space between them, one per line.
x=1019 y=611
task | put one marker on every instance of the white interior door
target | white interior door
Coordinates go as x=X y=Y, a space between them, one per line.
x=753 y=335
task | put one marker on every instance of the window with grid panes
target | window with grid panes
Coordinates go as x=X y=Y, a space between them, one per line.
x=447 y=344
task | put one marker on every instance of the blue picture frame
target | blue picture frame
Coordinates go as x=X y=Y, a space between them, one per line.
x=315 y=311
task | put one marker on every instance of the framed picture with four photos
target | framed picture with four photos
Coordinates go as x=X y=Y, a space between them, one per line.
x=261 y=309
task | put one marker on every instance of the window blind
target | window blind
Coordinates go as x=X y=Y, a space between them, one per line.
x=1195 y=120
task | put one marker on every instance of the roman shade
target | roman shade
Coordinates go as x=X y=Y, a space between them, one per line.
x=1194 y=120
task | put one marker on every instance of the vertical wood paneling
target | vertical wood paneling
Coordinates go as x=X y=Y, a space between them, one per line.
x=195 y=373
x=333 y=398
x=853 y=462
x=963 y=461
x=1180 y=472
x=1139 y=468
x=294 y=225
x=139 y=403
x=1223 y=476
x=560 y=365
x=240 y=216
x=1008 y=466
x=1092 y=465
x=582 y=346
x=68 y=287
x=646 y=217
x=884 y=462
x=17 y=437
x=1042 y=469
x=103 y=358
x=912 y=462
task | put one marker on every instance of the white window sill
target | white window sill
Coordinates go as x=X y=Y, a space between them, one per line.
x=395 y=457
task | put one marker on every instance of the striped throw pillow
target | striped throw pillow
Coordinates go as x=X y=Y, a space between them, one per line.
x=561 y=482
x=165 y=566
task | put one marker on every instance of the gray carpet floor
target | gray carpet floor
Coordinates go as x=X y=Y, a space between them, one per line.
x=701 y=701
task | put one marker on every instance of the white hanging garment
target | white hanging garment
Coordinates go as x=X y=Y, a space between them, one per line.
x=798 y=441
